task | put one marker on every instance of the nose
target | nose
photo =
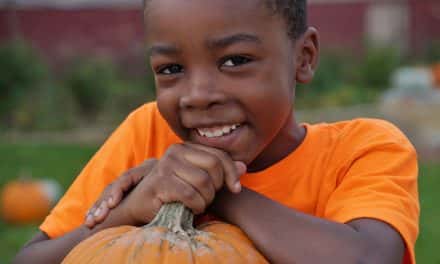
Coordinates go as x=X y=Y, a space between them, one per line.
x=202 y=92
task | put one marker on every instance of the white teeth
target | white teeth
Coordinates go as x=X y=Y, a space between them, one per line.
x=217 y=131
x=226 y=129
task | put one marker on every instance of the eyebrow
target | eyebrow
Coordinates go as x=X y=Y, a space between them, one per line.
x=163 y=49
x=223 y=42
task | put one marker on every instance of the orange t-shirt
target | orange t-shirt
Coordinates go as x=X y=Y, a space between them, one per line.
x=340 y=172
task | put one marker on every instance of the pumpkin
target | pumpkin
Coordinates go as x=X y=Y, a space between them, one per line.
x=436 y=74
x=26 y=200
x=168 y=238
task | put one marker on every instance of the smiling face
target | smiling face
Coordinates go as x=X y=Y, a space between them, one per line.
x=225 y=76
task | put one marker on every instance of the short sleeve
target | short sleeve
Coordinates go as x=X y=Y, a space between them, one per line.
x=112 y=159
x=380 y=182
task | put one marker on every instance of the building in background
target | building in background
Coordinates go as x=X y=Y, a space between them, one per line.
x=409 y=25
x=62 y=29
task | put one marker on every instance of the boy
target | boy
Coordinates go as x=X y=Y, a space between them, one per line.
x=225 y=74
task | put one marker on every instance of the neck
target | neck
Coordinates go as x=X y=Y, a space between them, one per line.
x=290 y=136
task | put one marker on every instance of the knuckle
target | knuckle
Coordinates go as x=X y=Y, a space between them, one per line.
x=173 y=149
x=147 y=163
x=126 y=176
x=188 y=194
x=199 y=207
x=220 y=153
x=204 y=181
x=108 y=189
x=212 y=162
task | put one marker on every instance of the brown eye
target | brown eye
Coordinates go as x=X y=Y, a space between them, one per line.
x=234 y=61
x=170 y=69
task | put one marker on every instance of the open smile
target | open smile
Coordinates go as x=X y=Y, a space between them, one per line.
x=217 y=131
x=221 y=137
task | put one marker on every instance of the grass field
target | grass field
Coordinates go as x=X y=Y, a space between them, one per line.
x=63 y=162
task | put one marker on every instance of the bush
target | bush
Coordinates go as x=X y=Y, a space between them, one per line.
x=377 y=66
x=432 y=53
x=343 y=80
x=46 y=108
x=90 y=82
x=22 y=71
x=333 y=73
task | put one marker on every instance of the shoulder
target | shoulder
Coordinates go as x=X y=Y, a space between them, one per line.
x=146 y=117
x=363 y=139
x=151 y=134
x=144 y=111
x=365 y=131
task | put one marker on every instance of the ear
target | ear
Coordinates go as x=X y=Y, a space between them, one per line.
x=307 y=55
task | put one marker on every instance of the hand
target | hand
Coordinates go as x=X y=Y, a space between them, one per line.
x=187 y=172
x=114 y=192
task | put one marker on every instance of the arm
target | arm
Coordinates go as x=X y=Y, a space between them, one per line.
x=285 y=235
x=42 y=249
x=175 y=177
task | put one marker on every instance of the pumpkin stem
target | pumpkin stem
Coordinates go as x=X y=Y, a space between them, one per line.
x=176 y=217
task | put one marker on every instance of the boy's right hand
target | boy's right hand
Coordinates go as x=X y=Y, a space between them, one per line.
x=189 y=173
x=114 y=192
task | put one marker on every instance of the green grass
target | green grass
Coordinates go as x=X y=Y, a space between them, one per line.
x=429 y=239
x=60 y=162
x=63 y=162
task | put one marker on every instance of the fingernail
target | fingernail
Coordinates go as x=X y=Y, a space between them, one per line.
x=241 y=167
x=89 y=219
x=110 y=200
x=97 y=212
x=237 y=186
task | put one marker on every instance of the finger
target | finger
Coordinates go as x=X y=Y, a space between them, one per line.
x=179 y=190
x=118 y=188
x=199 y=179
x=232 y=170
x=205 y=161
x=121 y=185
x=129 y=179
x=90 y=222
x=91 y=211
x=146 y=168
x=241 y=167
x=101 y=213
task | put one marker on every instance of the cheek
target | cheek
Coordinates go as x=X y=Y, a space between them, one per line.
x=168 y=105
x=274 y=100
x=274 y=90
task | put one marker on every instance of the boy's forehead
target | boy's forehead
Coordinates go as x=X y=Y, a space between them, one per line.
x=162 y=17
x=211 y=7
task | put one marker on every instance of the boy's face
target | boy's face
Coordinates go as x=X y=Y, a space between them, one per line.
x=225 y=74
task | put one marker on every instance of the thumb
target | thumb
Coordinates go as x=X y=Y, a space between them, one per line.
x=241 y=169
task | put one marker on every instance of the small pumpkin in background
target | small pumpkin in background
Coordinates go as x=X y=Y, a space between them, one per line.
x=436 y=74
x=168 y=238
x=24 y=201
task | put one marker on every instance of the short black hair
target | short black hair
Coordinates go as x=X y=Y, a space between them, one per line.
x=294 y=13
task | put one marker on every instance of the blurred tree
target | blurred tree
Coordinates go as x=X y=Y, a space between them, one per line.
x=21 y=72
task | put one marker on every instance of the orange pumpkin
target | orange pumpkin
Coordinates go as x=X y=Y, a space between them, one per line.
x=169 y=238
x=25 y=201
x=436 y=74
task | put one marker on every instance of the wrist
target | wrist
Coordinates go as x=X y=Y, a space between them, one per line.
x=136 y=213
x=224 y=203
x=128 y=215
